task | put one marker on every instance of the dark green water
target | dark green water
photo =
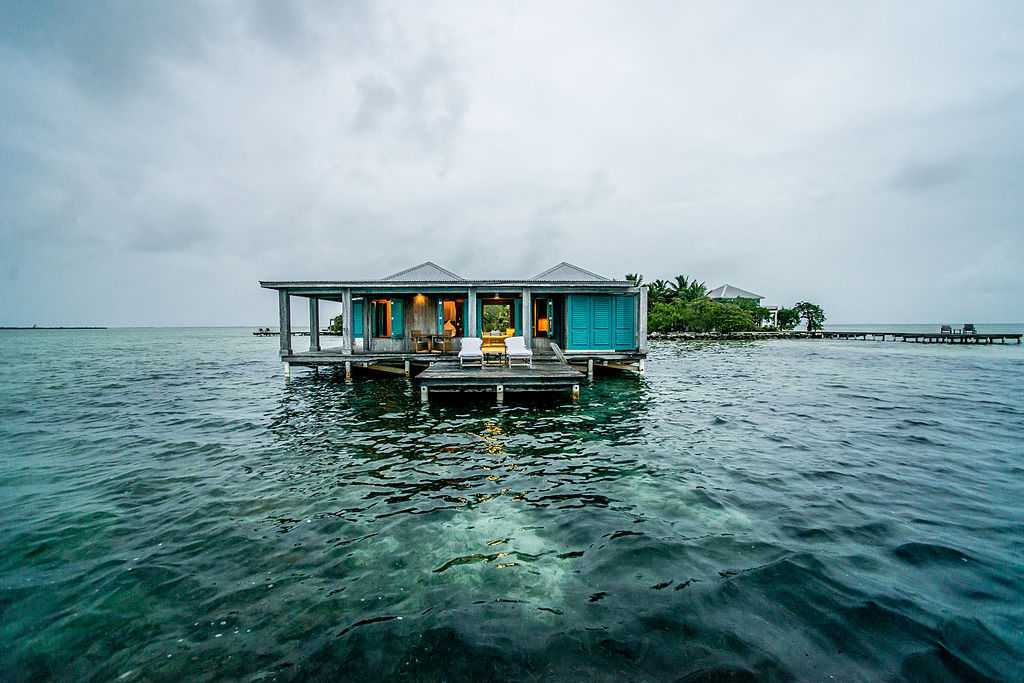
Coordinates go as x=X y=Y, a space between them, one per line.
x=791 y=510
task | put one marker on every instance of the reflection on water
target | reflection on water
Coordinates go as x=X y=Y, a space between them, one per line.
x=773 y=510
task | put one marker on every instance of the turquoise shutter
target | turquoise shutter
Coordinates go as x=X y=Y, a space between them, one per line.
x=551 y=317
x=579 y=322
x=517 y=315
x=440 y=315
x=373 y=319
x=479 y=317
x=465 y=318
x=625 y=323
x=397 y=318
x=601 y=324
x=357 y=318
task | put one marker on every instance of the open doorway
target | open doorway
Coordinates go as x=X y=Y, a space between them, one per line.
x=497 y=318
x=548 y=318
x=451 y=316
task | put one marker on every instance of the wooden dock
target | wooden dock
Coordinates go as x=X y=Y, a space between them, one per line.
x=545 y=375
x=924 y=337
x=437 y=373
x=554 y=370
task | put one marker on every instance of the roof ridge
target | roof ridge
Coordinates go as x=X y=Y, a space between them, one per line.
x=571 y=265
x=420 y=265
x=738 y=292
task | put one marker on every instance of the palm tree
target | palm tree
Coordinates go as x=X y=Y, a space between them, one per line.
x=679 y=286
x=658 y=291
x=636 y=278
x=696 y=291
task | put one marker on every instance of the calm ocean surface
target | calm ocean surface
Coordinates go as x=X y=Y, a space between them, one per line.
x=805 y=510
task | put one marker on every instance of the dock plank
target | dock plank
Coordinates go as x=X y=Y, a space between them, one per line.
x=543 y=376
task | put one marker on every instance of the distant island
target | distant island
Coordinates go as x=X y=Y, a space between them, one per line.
x=62 y=327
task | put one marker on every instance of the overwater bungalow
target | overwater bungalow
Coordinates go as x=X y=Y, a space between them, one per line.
x=418 y=318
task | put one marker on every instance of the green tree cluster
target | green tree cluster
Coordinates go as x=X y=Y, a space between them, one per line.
x=788 y=318
x=812 y=313
x=681 y=305
x=335 y=325
x=680 y=288
x=703 y=315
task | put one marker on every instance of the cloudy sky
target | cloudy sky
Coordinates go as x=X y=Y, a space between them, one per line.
x=158 y=158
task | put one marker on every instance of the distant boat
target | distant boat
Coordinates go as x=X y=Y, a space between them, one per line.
x=267 y=332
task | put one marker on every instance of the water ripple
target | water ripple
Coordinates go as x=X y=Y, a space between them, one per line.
x=748 y=511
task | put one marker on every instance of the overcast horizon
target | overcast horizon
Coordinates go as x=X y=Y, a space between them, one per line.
x=157 y=160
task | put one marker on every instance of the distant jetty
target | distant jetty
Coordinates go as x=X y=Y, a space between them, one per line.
x=914 y=337
x=41 y=327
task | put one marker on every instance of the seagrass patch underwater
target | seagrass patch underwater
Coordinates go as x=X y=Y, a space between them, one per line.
x=772 y=510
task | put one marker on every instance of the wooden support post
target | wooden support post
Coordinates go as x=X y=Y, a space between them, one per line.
x=590 y=368
x=642 y=364
x=367 y=315
x=472 y=323
x=314 y=323
x=641 y=317
x=527 y=317
x=407 y=373
x=347 y=343
x=575 y=392
x=284 y=310
x=501 y=393
x=348 y=371
x=424 y=394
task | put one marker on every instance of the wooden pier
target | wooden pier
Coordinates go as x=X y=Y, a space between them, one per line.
x=441 y=373
x=924 y=337
x=545 y=375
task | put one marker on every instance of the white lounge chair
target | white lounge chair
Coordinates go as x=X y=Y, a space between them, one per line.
x=470 y=351
x=515 y=348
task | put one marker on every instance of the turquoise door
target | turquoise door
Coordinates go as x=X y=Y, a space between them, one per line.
x=357 y=318
x=440 y=316
x=579 y=322
x=397 y=318
x=624 y=332
x=517 y=315
x=601 y=321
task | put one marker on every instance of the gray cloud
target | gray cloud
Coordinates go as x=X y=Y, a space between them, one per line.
x=182 y=230
x=157 y=159
x=376 y=100
x=107 y=48
x=924 y=176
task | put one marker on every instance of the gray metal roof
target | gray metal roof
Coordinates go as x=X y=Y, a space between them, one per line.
x=428 y=271
x=566 y=271
x=730 y=292
x=448 y=285
x=430 y=276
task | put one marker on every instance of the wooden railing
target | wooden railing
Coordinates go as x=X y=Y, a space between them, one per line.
x=558 y=352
